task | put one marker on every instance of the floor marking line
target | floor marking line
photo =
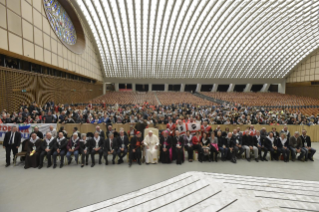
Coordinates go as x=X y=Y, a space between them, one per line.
x=297 y=200
x=227 y=205
x=278 y=192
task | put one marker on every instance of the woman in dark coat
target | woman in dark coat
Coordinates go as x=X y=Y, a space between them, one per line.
x=33 y=148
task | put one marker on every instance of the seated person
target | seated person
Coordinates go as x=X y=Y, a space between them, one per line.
x=33 y=148
x=222 y=145
x=306 y=143
x=151 y=143
x=122 y=142
x=213 y=147
x=165 y=148
x=96 y=146
x=60 y=148
x=110 y=148
x=73 y=146
x=204 y=142
x=282 y=147
x=258 y=142
x=84 y=146
x=231 y=145
x=197 y=143
x=189 y=145
x=268 y=144
x=295 y=144
x=248 y=145
x=135 y=148
x=48 y=147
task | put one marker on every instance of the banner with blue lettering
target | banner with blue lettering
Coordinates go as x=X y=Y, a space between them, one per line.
x=25 y=129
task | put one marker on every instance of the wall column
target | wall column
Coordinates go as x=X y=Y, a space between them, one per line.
x=265 y=87
x=104 y=88
x=248 y=87
x=215 y=86
x=117 y=86
x=133 y=87
x=231 y=88
x=282 y=87
x=182 y=87
x=150 y=87
x=166 y=87
x=198 y=87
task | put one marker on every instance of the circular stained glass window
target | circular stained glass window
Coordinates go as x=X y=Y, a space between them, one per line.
x=60 y=21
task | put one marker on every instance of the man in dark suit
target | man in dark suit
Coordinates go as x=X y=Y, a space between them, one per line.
x=12 y=141
x=38 y=132
x=48 y=147
x=96 y=146
x=101 y=132
x=232 y=147
x=135 y=148
x=122 y=142
x=306 y=145
x=275 y=133
x=110 y=148
x=60 y=149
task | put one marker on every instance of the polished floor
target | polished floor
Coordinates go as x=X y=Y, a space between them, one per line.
x=73 y=187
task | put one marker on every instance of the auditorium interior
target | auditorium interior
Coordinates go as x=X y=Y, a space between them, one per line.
x=159 y=105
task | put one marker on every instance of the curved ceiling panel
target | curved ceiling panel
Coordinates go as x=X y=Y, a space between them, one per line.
x=202 y=39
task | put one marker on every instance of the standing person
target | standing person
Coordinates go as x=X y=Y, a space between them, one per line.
x=306 y=145
x=32 y=147
x=48 y=147
x=151 y=144
x=189 y=146
x=135 y=148
x=179 y=148
x=61 y=143
x=165 y=147
x=73 y=146
x=11 y=142
x=196 y=144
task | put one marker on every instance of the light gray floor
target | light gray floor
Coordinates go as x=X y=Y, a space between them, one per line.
x=72 y=187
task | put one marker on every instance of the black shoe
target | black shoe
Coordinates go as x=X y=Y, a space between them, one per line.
x=77 y=162
x=86 y=163
x=256 y=159
x=276 y=159
x=54 y=166
x=248 y=159
x=233 y=160
x=70 y=161
x=7 y=165
x=130 y=164
x=61 y=165
x=299 y=159
x=40 y=167
x=261 y=159
x=113 y=162
x=106 y=163
x=100 y=162
x=139 y=162
x=265 y=159
x=310 y=159
x=49 y=165
x=93 y=164
x=82 y=165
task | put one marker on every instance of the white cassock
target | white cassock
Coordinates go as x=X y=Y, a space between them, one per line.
x=151 y=152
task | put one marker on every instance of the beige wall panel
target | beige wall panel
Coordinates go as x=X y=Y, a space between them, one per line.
x=37 y=19
x=38 y=53
x=65 y=64
x=46 y=41
x=65 y=52
x=3 y=39
x=60 y=49
x=37 y=4
x=30 y=1
x=15 y=44
x=14 y=5
x=26 y=11
x=54 y=46
x=3 y=16
x=14 y=23
x=3 y=1
x=54 y=59
x=38 y=37
x=28 y=49
x=47 y=56
x=46 y=25
x=60 y=62
x=27 y=30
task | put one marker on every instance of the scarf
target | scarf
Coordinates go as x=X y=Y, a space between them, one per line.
x=33 y=141
x=271 y=139
x=59 y=140
x=97 y=139
x=49 y=141
x=283 y=141
x=84 y=141
x=74 y=141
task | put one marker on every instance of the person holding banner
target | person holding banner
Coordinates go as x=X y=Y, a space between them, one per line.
x=11 y=142
x=47 y=147
x=166 y=150
x=60 y=149
x=33 y=149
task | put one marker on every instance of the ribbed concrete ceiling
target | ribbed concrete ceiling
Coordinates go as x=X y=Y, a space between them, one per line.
x=202 y=39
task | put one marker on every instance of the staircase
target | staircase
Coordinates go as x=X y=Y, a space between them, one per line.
x=158 y=101
x=218 y=101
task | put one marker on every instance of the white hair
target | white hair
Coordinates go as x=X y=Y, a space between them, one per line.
x=75 y=134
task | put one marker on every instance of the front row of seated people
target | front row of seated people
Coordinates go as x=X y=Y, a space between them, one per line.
x=171 y=148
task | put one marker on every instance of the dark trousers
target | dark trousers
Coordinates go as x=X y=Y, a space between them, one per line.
x=121 y=153
x=179 y=155
x=224 y=152
x=55 y=154
x=284 y=152
x=240 y=151
x=232 y=154
x=135 y=155
x=114 y=156
x=212 y=151
x=200 y=151
x=93 y=152
x=85 y=156
x=271 y=150
x=189 y=150
x=10 y=148
x=48 y=154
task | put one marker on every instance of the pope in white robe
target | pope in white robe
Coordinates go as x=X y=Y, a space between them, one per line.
x=151 y=143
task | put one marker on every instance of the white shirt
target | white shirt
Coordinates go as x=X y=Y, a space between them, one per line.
x=97 y=141
x=12 y=136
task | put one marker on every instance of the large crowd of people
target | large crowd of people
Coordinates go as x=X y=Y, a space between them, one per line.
x=171 y=145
